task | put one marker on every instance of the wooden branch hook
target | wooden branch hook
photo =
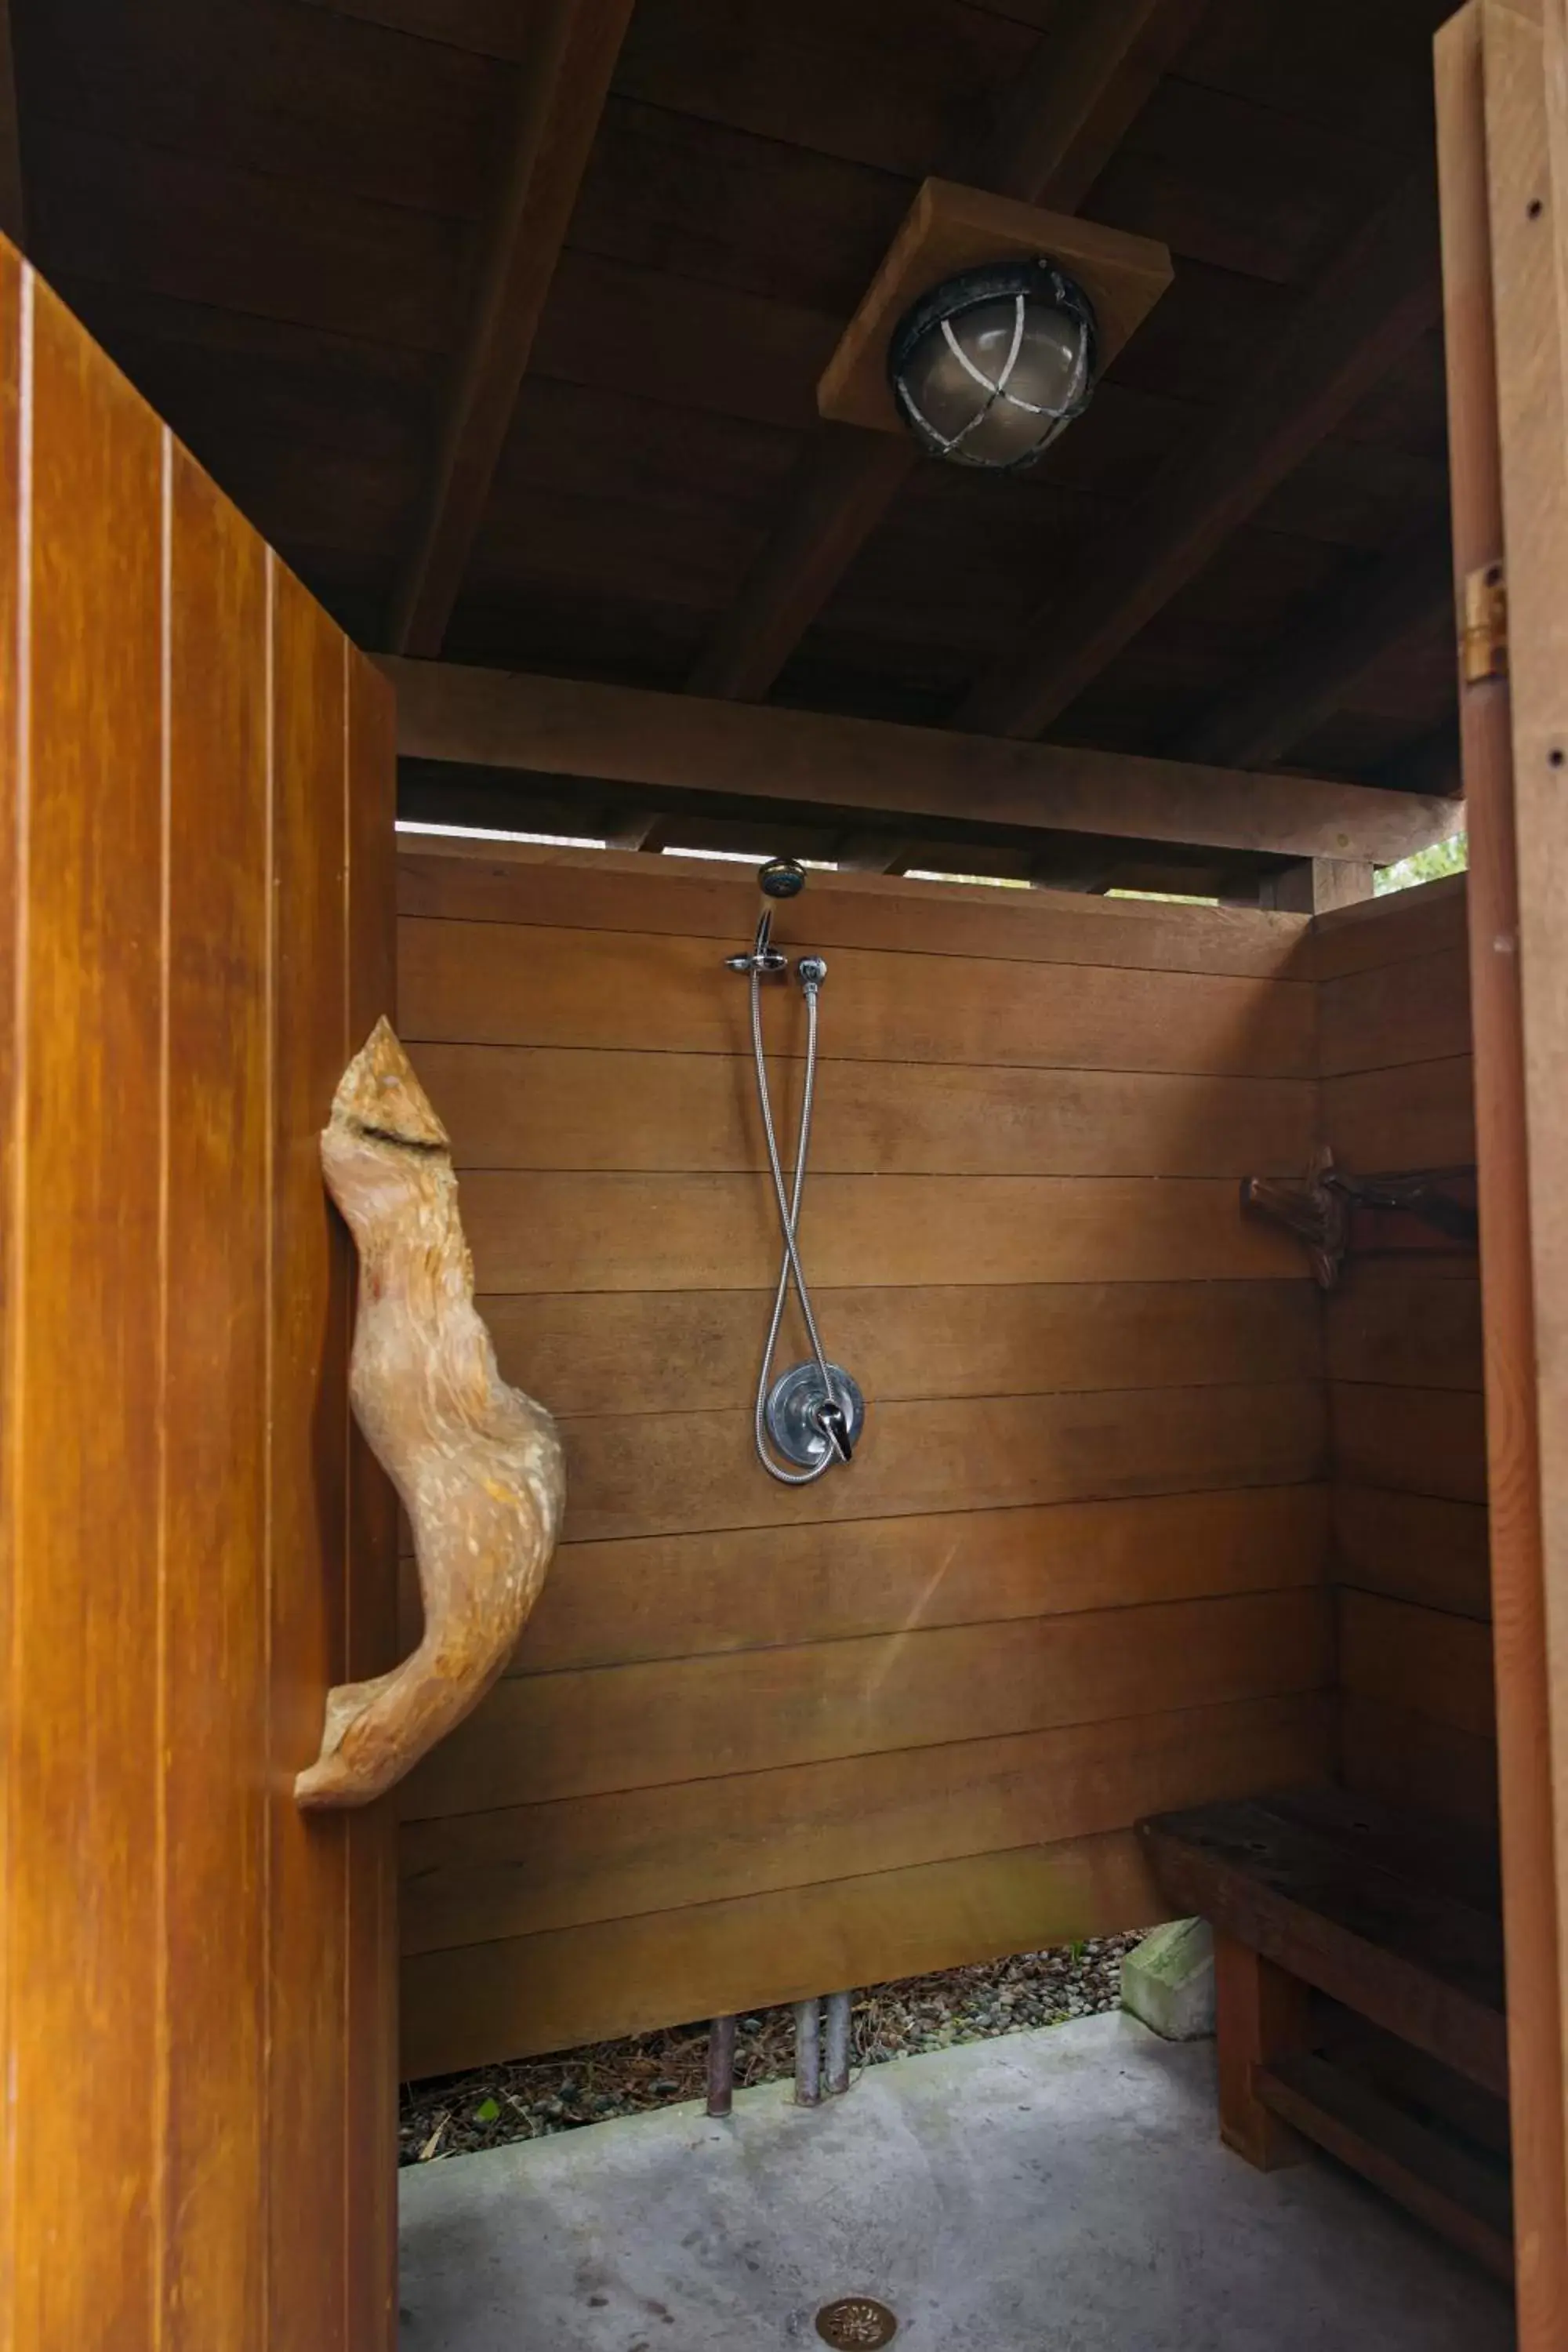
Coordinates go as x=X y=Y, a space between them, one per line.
x=476 y=1464
x=1313 y=1208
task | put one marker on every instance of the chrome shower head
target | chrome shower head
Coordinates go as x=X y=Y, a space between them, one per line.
x=782 y=878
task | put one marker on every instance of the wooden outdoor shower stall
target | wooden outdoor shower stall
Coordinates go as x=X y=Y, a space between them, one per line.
x=1142 y=1519
x=760 y=1742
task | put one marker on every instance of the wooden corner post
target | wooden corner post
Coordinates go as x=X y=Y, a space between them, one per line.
x=1502 y=119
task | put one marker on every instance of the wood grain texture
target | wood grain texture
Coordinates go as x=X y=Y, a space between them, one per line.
x=216 y=1405
x=13 y=190
x=1420 y=1116
x=545 y=1107
x=486 y=718
x=1262 y=2015
x=1375 y=1936
x=606 y=890
x=1366 y=616
x=1415 y=1011
x=1403 y=1349
x=1377 y=297
x=476 y=1463
x=171 y=977
x=1413 y=1760
x=1392 y=1324
x=842 y=485
x=15 y=391
x=542 y=1737
x=562 y=92
x=645 y=1473
x=606 y=1351
x=533 y=984
x=308 y=1860
x=1412 y=1548
x=554 y=1991
x=370 y=2115
x=83 y=1769
x=523 y=1870
x=1417 y=1441
x=1492 y=163
x=1064 y=118
x=1391 y=929
x=1095 y=1408
x=1449 y=2191
x=641 y=1598
x=1420 y=1660
x=556 y=1232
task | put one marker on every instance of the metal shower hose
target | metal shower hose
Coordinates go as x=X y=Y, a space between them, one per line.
x=789 y=1218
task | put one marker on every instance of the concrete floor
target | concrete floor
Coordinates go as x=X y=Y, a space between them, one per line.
x=1056 y=2191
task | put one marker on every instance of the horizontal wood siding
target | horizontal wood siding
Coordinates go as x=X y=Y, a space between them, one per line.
x=759 y=1740
x=1403 y=1342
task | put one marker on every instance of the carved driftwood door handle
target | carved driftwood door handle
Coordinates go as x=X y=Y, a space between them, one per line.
x=477 y=1463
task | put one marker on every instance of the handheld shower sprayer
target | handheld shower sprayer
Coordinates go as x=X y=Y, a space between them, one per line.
x=781 y=877
x=812 y=1413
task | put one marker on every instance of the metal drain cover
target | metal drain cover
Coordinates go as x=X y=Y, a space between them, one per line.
x=856 y=2320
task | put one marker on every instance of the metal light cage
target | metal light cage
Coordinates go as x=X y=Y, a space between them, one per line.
x=1032 y=286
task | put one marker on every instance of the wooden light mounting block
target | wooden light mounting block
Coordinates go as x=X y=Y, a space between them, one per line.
x=949 y=228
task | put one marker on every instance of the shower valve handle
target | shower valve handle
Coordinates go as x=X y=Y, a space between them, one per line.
x=830 y=1419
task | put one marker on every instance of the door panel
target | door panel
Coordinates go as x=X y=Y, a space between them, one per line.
x=195 y=929
x=1505 y=237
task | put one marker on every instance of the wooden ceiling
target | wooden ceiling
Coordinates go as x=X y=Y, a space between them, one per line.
x=522 y=373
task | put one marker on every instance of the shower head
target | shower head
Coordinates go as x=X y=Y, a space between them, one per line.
x=782 y=878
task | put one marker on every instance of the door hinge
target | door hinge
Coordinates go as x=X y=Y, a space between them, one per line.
x=1483 y=640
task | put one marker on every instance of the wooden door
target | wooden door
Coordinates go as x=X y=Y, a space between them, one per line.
x=1503 y=111
x=195 y=925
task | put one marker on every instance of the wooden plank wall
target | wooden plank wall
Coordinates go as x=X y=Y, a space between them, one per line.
x=197 y=1983
x=1404 y=1348
x=758 y=1743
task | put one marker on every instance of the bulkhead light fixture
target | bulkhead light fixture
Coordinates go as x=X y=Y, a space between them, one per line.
x=990 y=366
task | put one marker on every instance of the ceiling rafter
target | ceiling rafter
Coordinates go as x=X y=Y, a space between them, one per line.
x=1406 y=590
x=562 y=94
x=1067 y=116
x=1378 y=296
x=806 y=760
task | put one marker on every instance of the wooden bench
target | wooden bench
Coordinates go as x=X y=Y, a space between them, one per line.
x=1359 y=1983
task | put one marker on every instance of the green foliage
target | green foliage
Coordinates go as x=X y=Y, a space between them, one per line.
x=488 y=2111
x=1450 y=856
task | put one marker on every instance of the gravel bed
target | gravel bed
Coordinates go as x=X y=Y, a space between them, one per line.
x=451 y=2115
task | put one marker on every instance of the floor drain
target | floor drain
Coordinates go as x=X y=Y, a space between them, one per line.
x=854 y=2320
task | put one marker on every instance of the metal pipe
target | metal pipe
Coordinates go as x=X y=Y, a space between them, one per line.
x=807 y=2053
x=836 y=2058
x=721 y=2065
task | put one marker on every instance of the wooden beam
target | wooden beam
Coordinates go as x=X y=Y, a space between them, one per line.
x=1067 y=116
x=1378 y=297
x=13 y=205
x=872 y=853
x=676 y=743
x=1318 y=884
x=1078 y=97
x=1433 y=764
x=841 y=484
x=635 y=829
x=562 y=96
x=1352 y=629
